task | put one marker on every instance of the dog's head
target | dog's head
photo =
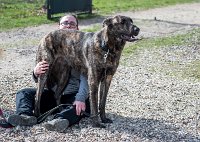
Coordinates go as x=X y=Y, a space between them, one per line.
x=121 y=27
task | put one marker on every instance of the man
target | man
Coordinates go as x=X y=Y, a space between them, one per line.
x=76 y=93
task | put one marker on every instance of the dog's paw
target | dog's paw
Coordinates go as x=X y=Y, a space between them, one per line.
x=106 y=120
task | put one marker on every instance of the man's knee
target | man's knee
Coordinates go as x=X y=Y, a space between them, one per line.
x=26 y=92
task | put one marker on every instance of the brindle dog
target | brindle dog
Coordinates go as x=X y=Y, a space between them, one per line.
x=93 y=54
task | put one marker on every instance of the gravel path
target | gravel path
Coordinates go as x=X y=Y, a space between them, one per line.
x=149 y=98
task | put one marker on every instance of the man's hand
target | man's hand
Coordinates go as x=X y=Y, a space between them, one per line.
x=80 y=106
x=41 y=68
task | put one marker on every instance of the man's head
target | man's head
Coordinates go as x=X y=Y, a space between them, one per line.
x=68 y=22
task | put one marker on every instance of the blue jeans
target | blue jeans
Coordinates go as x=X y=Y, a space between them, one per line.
x=25 y=101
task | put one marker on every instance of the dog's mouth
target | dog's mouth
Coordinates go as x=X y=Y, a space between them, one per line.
x=128 y=38
x=131 y=37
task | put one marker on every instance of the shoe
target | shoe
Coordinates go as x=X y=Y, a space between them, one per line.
x=22 y=120
x=5 y=124
x=56 y=125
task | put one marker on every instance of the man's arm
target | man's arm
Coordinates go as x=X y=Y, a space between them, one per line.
x=82 y=95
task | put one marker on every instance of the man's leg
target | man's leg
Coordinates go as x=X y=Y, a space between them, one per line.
x=60 y=121
x=69 y=112
x=24 y=108
x=25 y=100
x=67 y=116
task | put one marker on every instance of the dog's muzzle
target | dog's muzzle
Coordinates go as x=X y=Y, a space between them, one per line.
x=131 y=37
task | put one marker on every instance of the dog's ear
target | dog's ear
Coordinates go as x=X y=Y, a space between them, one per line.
x=107 y=22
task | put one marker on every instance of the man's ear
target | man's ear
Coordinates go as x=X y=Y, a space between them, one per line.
x=107 y=22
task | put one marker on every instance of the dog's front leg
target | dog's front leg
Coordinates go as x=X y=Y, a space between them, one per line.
x=93 y=87
x=104 y=87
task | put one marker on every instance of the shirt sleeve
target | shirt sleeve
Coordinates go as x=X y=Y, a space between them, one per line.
x=34 y=77
x=83 y=91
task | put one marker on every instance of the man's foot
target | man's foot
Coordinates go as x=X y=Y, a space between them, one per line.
x=56 y=125
x=22 y=120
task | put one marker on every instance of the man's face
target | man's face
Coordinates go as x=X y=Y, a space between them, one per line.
x=68 y=22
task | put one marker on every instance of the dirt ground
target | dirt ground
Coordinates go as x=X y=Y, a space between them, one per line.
x=145 y=102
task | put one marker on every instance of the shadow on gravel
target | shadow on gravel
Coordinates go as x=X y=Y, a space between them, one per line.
x=155 y=130
x=171 y=22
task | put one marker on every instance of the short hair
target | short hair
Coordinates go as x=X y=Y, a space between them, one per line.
x=75 y=18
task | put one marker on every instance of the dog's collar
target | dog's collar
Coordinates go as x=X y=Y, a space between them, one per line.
x=104 y=47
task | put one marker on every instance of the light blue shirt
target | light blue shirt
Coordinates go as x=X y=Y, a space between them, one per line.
x=77 y=84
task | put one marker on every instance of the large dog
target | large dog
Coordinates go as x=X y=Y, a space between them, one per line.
x=96 y=55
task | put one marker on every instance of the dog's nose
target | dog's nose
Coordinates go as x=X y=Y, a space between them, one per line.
x=136 y=30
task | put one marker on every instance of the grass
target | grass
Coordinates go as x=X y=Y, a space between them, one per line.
x=109 y=6
x=93 y=28
x=186 y=70
x=192 y=70
x=176 y=40
x=183 y=70
x=24 y=13
x=18 y=43
x=20 y=13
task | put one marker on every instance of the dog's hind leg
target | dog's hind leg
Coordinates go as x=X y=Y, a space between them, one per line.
x=61 y=86
x=104 y=87
x=60 y=73
x=40 y=87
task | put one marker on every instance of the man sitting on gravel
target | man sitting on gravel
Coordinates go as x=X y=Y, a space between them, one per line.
x=76 y=93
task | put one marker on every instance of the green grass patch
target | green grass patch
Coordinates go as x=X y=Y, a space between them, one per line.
x=110 y=6
x=25 y=42
x=176 y=40
x=93 y=28
x=24 y=13
x=192 y=70
x=181 y=69
x=21 y=13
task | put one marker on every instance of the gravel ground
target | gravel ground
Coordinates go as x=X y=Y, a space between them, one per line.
x=146 y=101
